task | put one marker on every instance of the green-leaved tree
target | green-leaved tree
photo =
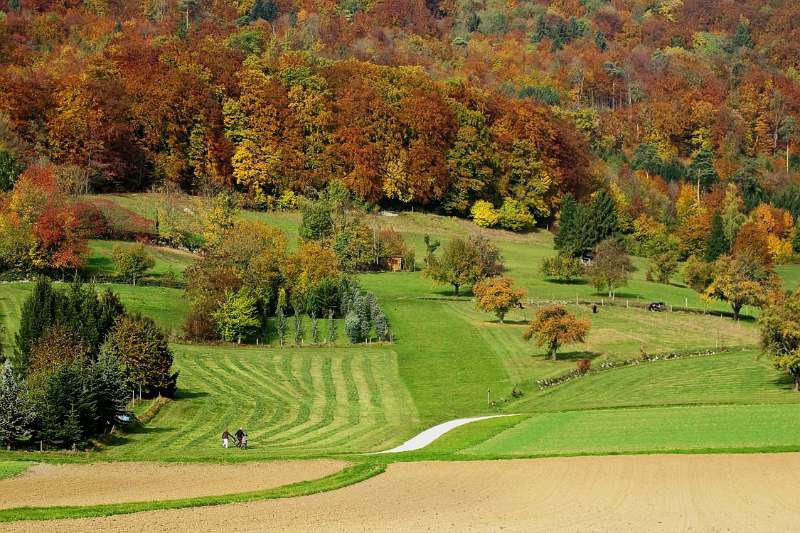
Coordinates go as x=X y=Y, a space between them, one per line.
x=132 y=261
x=237 y=316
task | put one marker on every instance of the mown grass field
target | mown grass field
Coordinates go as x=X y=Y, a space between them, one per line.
x=735 y=377
x=649 y=430
x=290 y=402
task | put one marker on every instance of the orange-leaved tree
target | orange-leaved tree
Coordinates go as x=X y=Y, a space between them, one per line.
x=497 y=295
x=553 y=326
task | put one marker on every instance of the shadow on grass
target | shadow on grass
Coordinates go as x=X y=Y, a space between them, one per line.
x=567 y=282
x=186 y=394
x=784 y=382
x=575 y=356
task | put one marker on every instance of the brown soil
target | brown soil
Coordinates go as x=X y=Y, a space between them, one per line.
x=630 y=493
x=89 y=484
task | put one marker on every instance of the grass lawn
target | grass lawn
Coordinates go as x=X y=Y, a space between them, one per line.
x=290 y=401
x=654 y=429
x=13 y=468
x=167 y=260
x=166 y=306
x=736 y=377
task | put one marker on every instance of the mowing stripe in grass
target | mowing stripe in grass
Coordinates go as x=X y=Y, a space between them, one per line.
x=348 y=476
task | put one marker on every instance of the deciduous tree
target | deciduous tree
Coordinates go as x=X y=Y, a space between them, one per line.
x=554 y=326
x=132 y=261
x=497 y=295
x=740 y=280
x=610 y=267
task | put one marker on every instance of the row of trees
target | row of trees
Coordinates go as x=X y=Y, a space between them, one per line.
x=78 y=360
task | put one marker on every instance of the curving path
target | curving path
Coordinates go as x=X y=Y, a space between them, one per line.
x=431 y=434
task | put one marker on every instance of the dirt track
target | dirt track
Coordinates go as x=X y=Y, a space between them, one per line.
x=634 y=493
x=87 y=484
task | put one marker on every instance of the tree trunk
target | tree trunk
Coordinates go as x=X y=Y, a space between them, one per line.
x=736 y=309
x=553 y=351
x=456 y=288
x=796 y=384
x=501 y=315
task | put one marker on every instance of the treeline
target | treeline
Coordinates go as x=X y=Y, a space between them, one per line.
x=79 y=358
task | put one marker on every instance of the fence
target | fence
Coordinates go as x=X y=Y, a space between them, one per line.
x=638 y=304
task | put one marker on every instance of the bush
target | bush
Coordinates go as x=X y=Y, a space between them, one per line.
x=697 y=273
x=352 y=327
x=132 y=261
x=662 y=267
x=584 y=365
x=484 y=214
x=562 y=267
x=92 y=222
x=514 y=216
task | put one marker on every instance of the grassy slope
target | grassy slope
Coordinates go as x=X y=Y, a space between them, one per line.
x=166 y=306
x=654 y=429
x=167 y=260
x=290 y=401
x=737 y=377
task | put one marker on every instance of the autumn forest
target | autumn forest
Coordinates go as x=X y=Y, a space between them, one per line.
x=670 y=105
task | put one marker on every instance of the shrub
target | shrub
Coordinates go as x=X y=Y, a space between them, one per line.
x=92 y=222
x=697 y=273
x=662 y=267
x=562 y=267
x=484 y=214
x=237 y=316
x=584 y=365
x=132 y=261
x=352 y=327
x=514 y=216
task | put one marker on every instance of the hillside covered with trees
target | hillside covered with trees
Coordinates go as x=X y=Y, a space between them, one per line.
x=435 y=103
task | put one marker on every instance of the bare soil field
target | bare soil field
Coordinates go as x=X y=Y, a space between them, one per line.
x=89 y=484
x=623 y=493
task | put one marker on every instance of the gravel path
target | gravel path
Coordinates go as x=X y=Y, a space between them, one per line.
x=431 y=434
x=747 y=492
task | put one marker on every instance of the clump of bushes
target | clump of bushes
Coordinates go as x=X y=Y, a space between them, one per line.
x=562 y=267
x=513 y=215
x=363 y=315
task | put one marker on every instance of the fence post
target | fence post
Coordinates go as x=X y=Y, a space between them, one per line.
x=602 y=302
x=627 y=304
